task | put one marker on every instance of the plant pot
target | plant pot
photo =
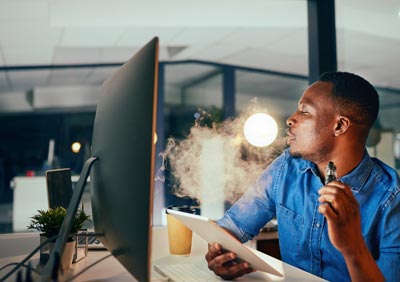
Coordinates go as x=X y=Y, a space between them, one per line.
x=66 y=260
x=44 y=250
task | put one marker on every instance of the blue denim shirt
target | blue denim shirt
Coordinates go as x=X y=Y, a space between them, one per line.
x=287 y=190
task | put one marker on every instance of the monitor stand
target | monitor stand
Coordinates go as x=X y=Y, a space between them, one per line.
x=50 y=271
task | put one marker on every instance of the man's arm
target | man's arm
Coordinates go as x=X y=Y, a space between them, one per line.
x=341 y=210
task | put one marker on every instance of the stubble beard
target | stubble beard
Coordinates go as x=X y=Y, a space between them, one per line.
x=295 y=154
x=315 y=157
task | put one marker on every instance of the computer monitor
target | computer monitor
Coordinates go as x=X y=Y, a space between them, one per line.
x=122 y=166
x=122 y=180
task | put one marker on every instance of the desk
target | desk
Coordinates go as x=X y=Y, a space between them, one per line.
x=107 y=270
x=14 y=248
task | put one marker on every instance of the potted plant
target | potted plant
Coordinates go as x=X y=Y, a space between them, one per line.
x=49 y=223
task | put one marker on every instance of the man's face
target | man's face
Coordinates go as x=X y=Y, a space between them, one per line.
x=311 y=127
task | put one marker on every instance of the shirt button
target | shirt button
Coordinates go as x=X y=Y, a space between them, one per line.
x=317 y=225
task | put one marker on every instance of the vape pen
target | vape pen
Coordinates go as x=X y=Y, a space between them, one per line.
x=330 y=172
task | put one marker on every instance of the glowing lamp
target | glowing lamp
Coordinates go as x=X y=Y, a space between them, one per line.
x=76 y=147
x=260 y=130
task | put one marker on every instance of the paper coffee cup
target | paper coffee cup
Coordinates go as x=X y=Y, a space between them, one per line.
x=179 y=237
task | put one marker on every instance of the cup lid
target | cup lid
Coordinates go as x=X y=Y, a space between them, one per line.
x=185 y=208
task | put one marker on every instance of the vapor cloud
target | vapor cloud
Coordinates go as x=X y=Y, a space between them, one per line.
x=218 y=154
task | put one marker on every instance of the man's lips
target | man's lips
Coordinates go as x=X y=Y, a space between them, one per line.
x=290 y=136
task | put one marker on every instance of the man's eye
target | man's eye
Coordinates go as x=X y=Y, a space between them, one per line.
x=303 y=112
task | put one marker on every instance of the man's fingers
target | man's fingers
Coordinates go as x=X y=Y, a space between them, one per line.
x=331 y=190
x=327 y=211
x=327 y=198
x=235 y=270
x=337 y=184
x=339 y=196
x=245 y=270
x=223 y=259
x=214 y=249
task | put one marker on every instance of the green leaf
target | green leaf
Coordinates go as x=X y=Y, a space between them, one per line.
x=49 y=222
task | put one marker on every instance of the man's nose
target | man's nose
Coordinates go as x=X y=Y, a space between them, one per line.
x=290 y=121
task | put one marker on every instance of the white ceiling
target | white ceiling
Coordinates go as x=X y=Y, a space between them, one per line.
x=264 y=34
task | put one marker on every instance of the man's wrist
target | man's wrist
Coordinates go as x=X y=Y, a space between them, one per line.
x=357 y=253
x=361 y=264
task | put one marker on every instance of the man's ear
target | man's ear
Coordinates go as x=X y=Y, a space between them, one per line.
x=342 y=125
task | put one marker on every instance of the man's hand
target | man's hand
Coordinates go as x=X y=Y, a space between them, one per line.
x=342 y=212
x=224 y=264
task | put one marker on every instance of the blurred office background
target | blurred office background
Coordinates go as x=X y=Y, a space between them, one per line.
x=215 y=55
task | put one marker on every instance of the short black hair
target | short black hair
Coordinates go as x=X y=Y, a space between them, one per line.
x=355 y=97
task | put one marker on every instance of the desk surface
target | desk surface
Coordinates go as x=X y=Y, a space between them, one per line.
x=14 y=248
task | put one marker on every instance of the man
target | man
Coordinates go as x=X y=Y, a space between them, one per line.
x=346 y=230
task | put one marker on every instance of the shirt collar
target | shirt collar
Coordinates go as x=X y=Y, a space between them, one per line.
x=355 y=178
x=359 y=175
x=305 y=165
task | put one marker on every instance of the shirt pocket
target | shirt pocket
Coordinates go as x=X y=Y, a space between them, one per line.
x=290 y=227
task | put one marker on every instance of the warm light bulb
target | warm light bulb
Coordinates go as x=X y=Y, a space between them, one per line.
x=260 y=130
x=76 y=147
x=155 y=137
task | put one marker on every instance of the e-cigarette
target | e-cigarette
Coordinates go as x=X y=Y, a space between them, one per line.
x=330 y=172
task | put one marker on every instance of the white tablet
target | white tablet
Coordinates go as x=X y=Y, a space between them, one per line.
x=213 y=233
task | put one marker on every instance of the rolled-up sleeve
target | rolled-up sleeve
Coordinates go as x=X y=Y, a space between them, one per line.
x=228 y=223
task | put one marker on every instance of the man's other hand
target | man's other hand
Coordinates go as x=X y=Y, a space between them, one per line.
x=225 y=263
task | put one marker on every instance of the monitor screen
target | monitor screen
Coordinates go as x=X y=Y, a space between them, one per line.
x=122 y=178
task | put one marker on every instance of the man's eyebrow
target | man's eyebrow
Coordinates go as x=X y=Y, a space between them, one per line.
x=306 y=103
